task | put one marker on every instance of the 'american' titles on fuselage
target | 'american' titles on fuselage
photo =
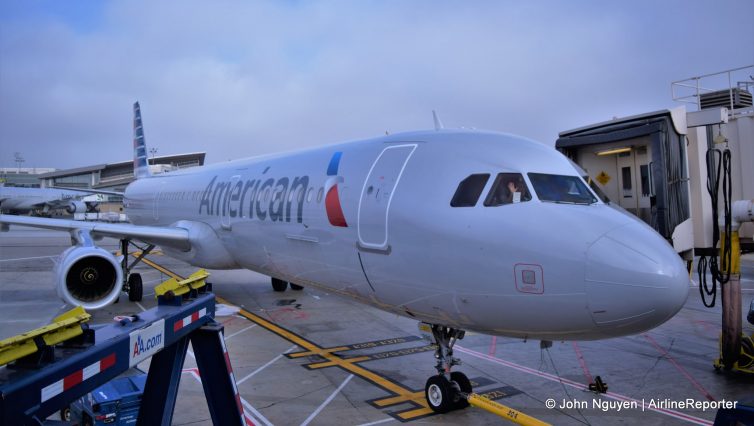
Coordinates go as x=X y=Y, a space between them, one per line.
x=230 y=197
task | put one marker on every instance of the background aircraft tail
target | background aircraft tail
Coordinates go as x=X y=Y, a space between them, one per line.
x=141 y=165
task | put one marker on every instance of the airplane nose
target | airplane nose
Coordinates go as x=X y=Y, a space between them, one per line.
x=635 y=281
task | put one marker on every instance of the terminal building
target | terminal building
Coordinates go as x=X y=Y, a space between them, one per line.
x=116 y=176
x=25 y=177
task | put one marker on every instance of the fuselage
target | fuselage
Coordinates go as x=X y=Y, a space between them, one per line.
x=390 y=222
x=20 y=200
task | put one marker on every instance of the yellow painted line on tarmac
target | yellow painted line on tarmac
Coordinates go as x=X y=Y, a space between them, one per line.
x=153 y=265
x=310 y=353
x=325 y=364
x=162 y=269
x=400 y=393
x=394 y=400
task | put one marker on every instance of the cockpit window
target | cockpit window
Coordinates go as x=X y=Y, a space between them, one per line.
x=597 y=190
x=561 y=189
x=508 y=188
x=469 y=190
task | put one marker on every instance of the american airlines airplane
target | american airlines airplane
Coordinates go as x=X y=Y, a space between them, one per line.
x=43 y=201
x=461 y=230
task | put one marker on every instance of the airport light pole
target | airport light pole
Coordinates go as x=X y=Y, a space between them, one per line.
x=153 y=151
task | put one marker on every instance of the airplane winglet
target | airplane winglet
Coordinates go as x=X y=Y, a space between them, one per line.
x=438 y=123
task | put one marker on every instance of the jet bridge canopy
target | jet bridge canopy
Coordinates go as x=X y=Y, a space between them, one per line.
x=640 y=164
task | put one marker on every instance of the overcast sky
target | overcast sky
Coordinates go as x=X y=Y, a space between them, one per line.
x=238 y=79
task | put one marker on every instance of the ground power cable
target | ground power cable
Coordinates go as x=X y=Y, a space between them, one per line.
x=717 y=162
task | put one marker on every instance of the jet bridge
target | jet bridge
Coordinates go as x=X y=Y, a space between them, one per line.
x=654 y=165
x=639 y=163
x=52 y=366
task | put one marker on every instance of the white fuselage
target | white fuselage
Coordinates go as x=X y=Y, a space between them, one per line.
x=24 y=200
x=533 y=269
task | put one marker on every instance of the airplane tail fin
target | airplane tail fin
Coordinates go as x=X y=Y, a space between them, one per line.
x=141 y=165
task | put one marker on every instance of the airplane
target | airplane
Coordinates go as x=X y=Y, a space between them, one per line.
x=43 y=201
x=457 y=229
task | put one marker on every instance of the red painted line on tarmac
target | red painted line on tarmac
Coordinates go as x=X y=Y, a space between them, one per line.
x=582 y=362
x=683 y=371
x=580 y=386
x=493 y=346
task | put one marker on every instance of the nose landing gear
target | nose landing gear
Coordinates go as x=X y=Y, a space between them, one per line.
x=447 y=390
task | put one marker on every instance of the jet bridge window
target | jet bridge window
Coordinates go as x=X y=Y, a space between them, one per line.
x=469 y=190
x=508 y=188
x=561 y=189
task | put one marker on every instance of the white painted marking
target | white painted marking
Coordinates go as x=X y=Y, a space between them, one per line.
x=327 y=401
x=90 y=371
x=256 y=413
x=389 y=419
x=256 y=417
x=27 y=258
x=52 y=390
x=239 y=332
x=259 y=369
x=250 y=375
x=139 y=305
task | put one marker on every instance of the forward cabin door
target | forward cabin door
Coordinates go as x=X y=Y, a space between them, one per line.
x=377 y=194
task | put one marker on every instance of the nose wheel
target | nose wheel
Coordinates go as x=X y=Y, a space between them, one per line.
x=447 y=390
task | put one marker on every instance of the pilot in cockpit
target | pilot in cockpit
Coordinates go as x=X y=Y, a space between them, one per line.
x=508 y=188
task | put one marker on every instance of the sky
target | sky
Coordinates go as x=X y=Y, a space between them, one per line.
x=242 y=78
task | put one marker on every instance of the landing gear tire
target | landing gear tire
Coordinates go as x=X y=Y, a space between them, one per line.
x=444 y=390
x=464 y=385
x=135 y=288
x=296 y=287
x=439 y=394
x=279 y=285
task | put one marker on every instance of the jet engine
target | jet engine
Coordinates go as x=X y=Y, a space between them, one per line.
x=88 y=276
x=76 y=207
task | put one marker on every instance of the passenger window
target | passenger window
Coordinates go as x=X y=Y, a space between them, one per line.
x=508 y=188
x=469 y=190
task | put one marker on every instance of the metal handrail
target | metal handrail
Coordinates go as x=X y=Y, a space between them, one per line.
x=694 y=83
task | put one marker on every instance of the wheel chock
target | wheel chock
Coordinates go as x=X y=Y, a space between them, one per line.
x=598 y=385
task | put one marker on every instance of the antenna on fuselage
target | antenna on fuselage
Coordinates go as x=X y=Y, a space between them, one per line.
x=438 y=123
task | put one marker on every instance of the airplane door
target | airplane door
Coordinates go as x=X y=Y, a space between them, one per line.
x=225 y=210
x=377 y=193
x=644 y=185
x=626 y=182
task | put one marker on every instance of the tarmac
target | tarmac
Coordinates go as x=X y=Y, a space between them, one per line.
x=377 y=363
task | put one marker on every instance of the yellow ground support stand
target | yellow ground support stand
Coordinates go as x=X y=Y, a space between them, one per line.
x=64 y=327
x=745 y=363
x=181 y=287
x=503 y=411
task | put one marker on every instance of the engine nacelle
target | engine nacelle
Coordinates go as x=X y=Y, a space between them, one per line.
x=88 y=276
x=76 y=207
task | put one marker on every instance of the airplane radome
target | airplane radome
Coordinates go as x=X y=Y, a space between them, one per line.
x=462 y=230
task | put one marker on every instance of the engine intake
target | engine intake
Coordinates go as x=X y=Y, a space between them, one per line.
x=76 y=207
x=88 y=276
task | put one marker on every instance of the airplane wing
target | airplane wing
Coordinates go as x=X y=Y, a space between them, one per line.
x=89 y=190
x=170 y=236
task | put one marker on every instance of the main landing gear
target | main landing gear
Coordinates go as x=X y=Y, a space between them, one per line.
x=280 y=285
x=132 y=282
x=447 y=390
